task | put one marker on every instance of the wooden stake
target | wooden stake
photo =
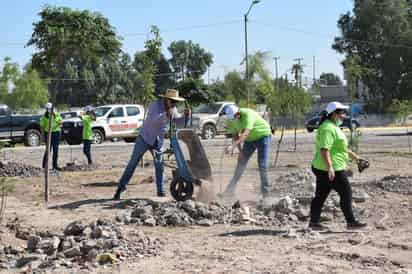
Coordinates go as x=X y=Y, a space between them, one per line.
x=46 y=169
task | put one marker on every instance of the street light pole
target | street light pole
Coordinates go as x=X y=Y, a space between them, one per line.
x=276 y=71
x=246 y=52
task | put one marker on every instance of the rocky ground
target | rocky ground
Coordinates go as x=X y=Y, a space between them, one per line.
x=83 y=231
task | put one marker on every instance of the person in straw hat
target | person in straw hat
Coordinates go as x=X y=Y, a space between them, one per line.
x=151 y=136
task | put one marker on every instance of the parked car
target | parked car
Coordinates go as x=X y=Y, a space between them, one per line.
x=313 y=123
x=112 y=121
x=70 y=114
x=17 y=128
x=211 y=119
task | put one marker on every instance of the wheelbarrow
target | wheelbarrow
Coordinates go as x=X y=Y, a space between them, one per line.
x=192 y=165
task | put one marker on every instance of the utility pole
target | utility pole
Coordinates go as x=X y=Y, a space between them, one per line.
x=276 y=71
x=314 y=75
x=247 y=63
x=246 y=52
x=298 y=71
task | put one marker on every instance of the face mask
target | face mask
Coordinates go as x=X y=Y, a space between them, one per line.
x=339 y=122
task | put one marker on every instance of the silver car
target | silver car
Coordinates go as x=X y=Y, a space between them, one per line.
x=212 y=120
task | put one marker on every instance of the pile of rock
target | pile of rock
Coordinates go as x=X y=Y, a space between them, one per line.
x=80 y=246
x=14 y=169
x=299 y=184
x=151 y=213
x=396 y=183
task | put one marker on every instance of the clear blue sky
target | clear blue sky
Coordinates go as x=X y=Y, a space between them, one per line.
x=288 y=29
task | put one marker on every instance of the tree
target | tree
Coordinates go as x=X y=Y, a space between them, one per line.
x=379 y=33
x=189 y=60
x=147 y=68
x=72 y=44
x=330 y=79
x=234 y=84
x=22 y=90
x=30 y=91
x=8 y=77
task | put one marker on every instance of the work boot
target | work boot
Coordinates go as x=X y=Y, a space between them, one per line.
x=356 y=225
x=317 y=226
x=116 y=196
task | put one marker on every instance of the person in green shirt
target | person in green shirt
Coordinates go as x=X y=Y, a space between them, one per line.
x=251 y=130
x=329 y=166
x=56 y=123
x=87 y=132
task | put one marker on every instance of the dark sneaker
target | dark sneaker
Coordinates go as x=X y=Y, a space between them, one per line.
x=57 y=168
x=117 y=194
x=317 y=226
x=356 y=225
x=161 y=194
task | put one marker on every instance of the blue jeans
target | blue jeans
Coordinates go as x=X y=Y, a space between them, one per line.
x=54 y=146
x=263 y=147
x=139 y=150
x=87 y=150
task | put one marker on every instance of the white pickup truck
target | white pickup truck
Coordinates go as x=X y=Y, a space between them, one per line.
x=112 y=121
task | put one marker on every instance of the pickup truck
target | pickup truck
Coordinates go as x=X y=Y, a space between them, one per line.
x=16 y=128
x=212 y=120
x=112 y=121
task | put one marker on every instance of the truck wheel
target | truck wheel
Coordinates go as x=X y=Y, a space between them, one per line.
x=209 y=131
x=32 y=138
x=98 y=136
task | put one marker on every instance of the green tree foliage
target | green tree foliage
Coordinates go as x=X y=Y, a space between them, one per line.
x=235 y=84
x=22 y=90
x=8 y=76
x=379 y=33
x=74 y=44
x=188 y=59
x=330 y=79
x=145 y=64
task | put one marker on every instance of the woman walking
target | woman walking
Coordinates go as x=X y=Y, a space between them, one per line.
x=329 y=166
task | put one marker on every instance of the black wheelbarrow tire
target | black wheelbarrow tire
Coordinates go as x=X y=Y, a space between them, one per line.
x=181 y=190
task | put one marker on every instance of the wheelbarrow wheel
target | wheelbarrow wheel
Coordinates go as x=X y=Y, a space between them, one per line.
x=181 y=190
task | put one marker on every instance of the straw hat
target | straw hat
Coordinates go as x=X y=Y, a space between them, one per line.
x=173 y=94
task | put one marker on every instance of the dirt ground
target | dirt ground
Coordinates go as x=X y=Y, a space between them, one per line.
x=384 y=247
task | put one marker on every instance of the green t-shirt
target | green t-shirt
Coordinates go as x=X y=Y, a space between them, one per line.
x=87 y=127
x=332 y=138
x=56 y=122
x=250 y=119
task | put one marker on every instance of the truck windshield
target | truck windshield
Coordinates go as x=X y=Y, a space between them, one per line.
x=101 y=111
x=207 y=109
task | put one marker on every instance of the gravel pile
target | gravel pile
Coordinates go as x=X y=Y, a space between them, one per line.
x=79 y=247
x=13 y=169
x=299 y=185
x=188 y=213
x=396 y=183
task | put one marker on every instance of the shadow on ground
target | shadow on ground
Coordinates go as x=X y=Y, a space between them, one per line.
x=252 y=232
x=105 y=203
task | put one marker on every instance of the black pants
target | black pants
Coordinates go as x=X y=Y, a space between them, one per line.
x=54 y=146
x=323 y=187
x=87 y=150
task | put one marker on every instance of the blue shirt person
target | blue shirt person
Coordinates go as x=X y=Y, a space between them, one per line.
x=151 y=136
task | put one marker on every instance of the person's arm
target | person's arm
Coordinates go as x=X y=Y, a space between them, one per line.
x=328 y=162
x=325 y=140
x=353 y=155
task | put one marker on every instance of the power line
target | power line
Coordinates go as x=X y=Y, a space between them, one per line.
x=331 y=36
